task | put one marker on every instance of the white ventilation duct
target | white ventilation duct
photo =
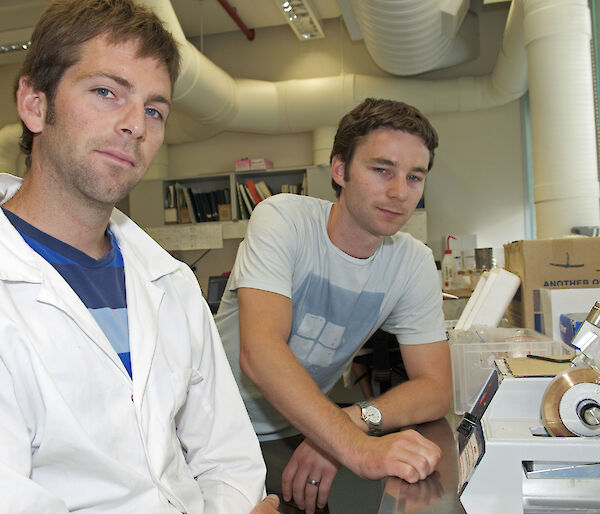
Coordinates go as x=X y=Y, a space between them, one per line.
x=557 y=38
x=213 y=101
x=203 y=92
x=322 y=143
x=414 y=36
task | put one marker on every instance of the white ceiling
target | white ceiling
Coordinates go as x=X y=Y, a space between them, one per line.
x=206 y=17
x=197 y=17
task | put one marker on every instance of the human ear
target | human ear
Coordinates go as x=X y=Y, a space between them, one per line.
x=338 y=167
x=31 y=105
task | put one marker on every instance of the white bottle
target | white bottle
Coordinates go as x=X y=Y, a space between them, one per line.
x=449 y=274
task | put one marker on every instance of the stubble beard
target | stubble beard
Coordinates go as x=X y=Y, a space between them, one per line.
x=73 y=168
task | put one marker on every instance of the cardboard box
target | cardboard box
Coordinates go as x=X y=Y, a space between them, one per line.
x=556 y=302
x=242 y=164
x=260 y=164
x=567 y=263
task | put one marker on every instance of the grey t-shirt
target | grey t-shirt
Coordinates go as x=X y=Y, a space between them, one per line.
x=338 y=301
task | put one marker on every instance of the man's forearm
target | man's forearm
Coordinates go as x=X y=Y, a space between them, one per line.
x=291 y=390
x=415 y=401
x=424 y=397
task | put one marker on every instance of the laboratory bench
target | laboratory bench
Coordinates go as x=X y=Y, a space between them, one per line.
x=436 y=494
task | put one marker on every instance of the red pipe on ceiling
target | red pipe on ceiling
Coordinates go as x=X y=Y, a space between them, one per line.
x=232 y=12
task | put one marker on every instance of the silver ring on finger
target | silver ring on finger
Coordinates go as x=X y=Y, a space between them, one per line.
x=310 y=481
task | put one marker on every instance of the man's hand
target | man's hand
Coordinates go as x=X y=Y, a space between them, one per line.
x=308 y=463
x=267 y=506
x=407 y=455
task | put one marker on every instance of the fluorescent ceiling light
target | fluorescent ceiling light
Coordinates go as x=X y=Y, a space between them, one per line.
x=15 y=40
x=302 y=18
x=14 y=47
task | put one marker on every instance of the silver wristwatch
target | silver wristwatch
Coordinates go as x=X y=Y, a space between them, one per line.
x=371 y=415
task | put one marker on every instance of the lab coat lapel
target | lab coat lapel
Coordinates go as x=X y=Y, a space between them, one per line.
x=145 y=263
x=143 y=303
x=55 y=291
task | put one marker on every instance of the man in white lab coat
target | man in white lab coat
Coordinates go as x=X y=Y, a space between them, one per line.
x=115 y=393
x=311 y=283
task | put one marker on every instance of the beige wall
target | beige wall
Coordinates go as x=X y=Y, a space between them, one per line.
x=8 y=113
x=218 y=153
x=476 y=184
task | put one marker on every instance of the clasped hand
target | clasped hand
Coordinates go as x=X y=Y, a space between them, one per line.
x=406 y=454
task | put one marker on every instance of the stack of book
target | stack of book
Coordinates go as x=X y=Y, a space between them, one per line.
x=186 y=205
x=250 y=195
x=298 y=189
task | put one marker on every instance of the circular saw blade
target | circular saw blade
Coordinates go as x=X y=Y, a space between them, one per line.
x=550 y=408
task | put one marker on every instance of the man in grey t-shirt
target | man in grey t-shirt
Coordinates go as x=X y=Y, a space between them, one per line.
x=312 y=281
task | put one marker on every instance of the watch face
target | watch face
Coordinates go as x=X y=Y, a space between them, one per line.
x=372 y=415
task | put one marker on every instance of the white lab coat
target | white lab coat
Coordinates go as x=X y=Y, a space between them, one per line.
x=76 y=433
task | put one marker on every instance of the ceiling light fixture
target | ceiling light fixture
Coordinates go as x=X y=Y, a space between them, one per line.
x=14 y=47
x=302 y=18
x=12 y=41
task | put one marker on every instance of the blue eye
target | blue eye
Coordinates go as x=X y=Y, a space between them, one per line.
x=154 y=113
x=415 y=178
x=102 y=91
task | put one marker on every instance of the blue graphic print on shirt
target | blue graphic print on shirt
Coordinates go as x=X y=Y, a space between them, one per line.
x=326 y=332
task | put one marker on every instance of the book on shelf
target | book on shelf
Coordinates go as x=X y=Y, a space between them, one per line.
x=243 y=214
x=193 y=206
x=171 y=199
x=291 y=188
x=207 y=213
x=252 y=191
x=224 y=210
x=200 y=216
x=183 y=211
x=170 y=210
x=263 y=189
x=191 y=203
x=170 y=215
x=246 y=199
x=212 y=202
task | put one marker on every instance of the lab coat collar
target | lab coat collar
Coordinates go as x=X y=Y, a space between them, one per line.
x=140 y=247
x=20 y=262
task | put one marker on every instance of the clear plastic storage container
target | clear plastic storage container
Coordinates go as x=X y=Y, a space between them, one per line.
x=474 y=351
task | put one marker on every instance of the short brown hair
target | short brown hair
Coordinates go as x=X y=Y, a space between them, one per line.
x=375 y=113
x=66 y=24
